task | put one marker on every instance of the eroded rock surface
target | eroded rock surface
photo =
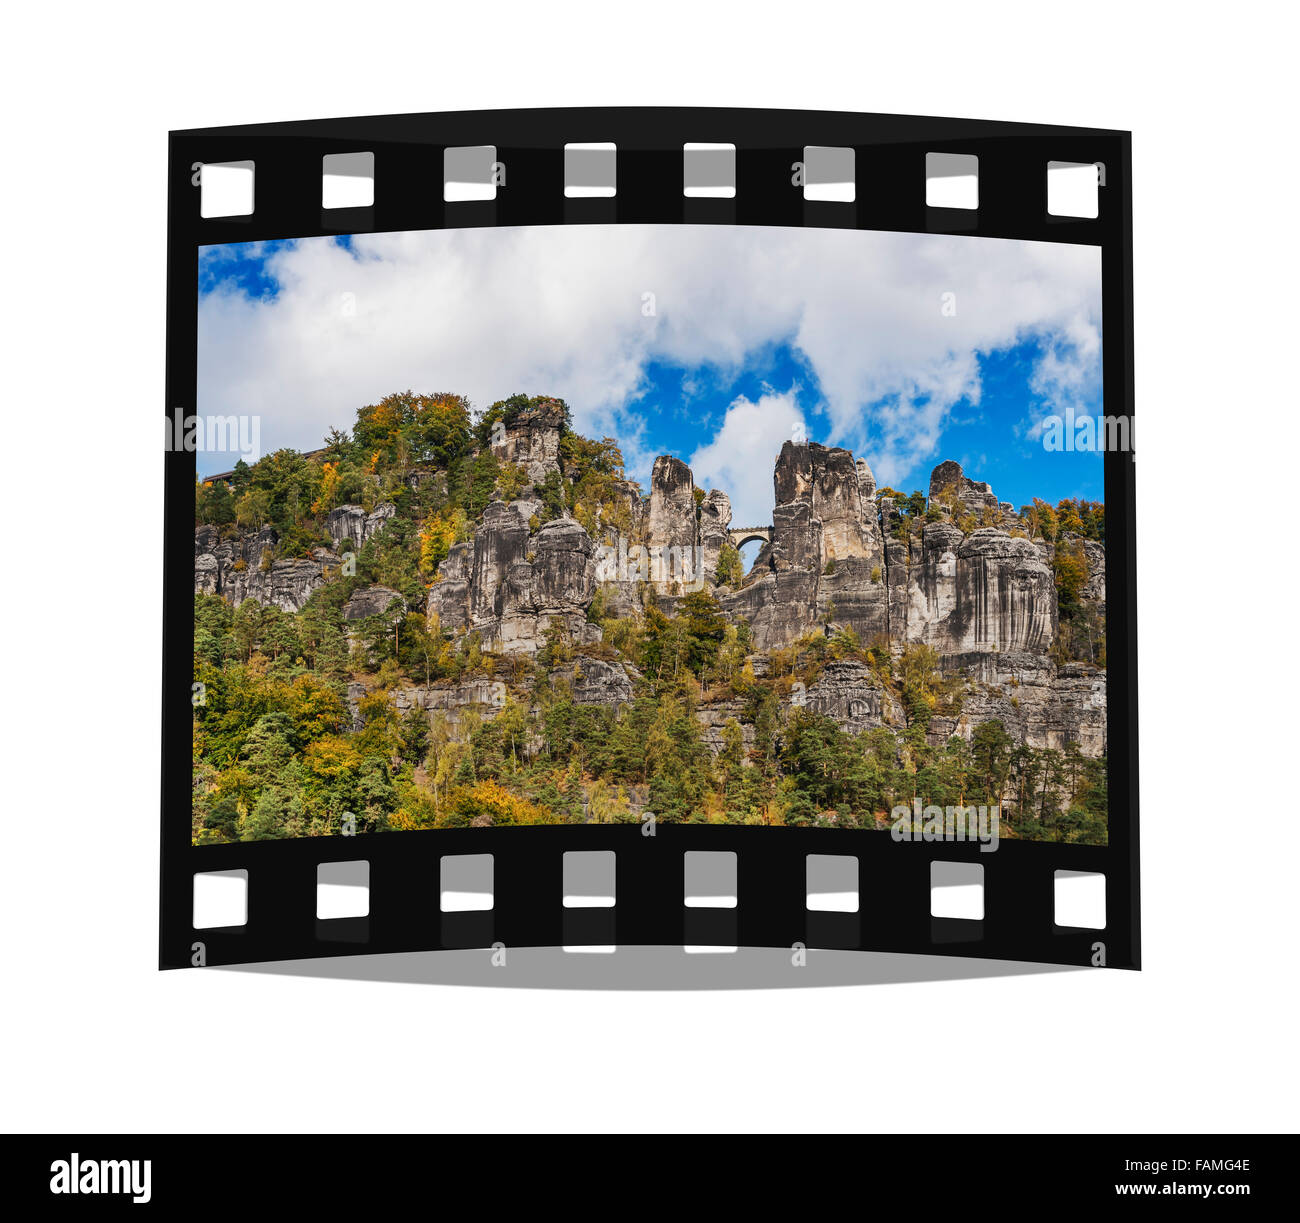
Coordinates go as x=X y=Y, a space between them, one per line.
x=349 y=526
x=244 y=568
x=371 y=601
x=532 y=440
x=839 y=556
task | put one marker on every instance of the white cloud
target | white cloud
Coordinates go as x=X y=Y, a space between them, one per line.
x=739 y=458
x=1070 y=369
x=558 y=310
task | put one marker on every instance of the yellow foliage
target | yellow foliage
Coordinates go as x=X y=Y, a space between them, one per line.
x=773 y=814
x=1071 y=568
x=331 y=756
x=607 y=803
x=439 y=533
x=489 y=803
x=329 y=489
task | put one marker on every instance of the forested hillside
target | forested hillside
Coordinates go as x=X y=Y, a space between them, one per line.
x=427 y=623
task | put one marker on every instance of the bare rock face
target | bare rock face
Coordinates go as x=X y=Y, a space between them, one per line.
x=1039 y=704
x=211 y=556
x=821 y=514
x=671 y=522
x=449 y=700
x=866 y=482
x=508 y=584
x=897 y=570
x=532 y=440
x=452 y=700
x=499 y=543
x=796 y=538
x=559 y=582
x=621 y=571
x=1006 y=596
x=673 y=560
x=346 y=524
x=855 y=596
x=974 y=495
x=527 y=508
x=239 y=569
x=622 y=556
x=594 y=681
x=713 y=719
x=780 y=606
x=370 y=601
x=206 y=573
x=557 y=573
x=349 y=526
x=564 y=568
x=1094 y=590
x=792 y=477
x=715 y=518
x=924 y=591
x=288 y=584
x=1076 y=710
x=825 y=530
x=983 y=592
x=837 y=501
x=449 y=594
x=848 y=692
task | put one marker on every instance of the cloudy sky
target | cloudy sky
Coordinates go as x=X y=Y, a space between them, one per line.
x=712 y=343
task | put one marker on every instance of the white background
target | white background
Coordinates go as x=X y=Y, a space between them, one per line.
x=94 y=1037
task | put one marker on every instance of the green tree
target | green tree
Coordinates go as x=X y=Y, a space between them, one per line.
x=991 y=757
x=730 y=570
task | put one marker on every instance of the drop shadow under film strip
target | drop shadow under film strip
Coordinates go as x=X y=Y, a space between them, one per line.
x=897 y=901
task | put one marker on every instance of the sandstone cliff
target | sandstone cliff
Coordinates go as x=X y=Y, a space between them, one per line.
x=532 y=440
x=839 y=555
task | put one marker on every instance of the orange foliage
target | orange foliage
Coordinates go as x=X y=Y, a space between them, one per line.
x=490 y=803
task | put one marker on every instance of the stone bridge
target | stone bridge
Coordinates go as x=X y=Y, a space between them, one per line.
x=740 y=536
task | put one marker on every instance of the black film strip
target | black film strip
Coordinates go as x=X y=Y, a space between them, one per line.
x=771 y=901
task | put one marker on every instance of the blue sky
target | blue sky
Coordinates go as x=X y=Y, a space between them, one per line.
x=992 y=440
x=754 y=335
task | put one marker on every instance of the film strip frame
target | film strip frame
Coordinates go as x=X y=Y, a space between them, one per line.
x=771 y=903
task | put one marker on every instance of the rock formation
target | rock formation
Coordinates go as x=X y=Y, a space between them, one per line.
x=715 y=518
x=370 y=601
x=672 y=524
x=532 y=440
x=349 y=526
x=987 y=591
x=848 y=692
x=839 y=556
x=948 y=477
x=244 y=568
x=451 y=701
x=827 y=552
x=556 y=584
x=509 y=584
x=866 y=482
x=1039 y=704
x=449 y=595
x=594 y=681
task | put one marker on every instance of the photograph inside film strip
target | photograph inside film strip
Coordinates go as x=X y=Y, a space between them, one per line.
x=736 y=528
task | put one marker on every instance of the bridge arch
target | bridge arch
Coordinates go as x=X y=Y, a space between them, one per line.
x=740 y=536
